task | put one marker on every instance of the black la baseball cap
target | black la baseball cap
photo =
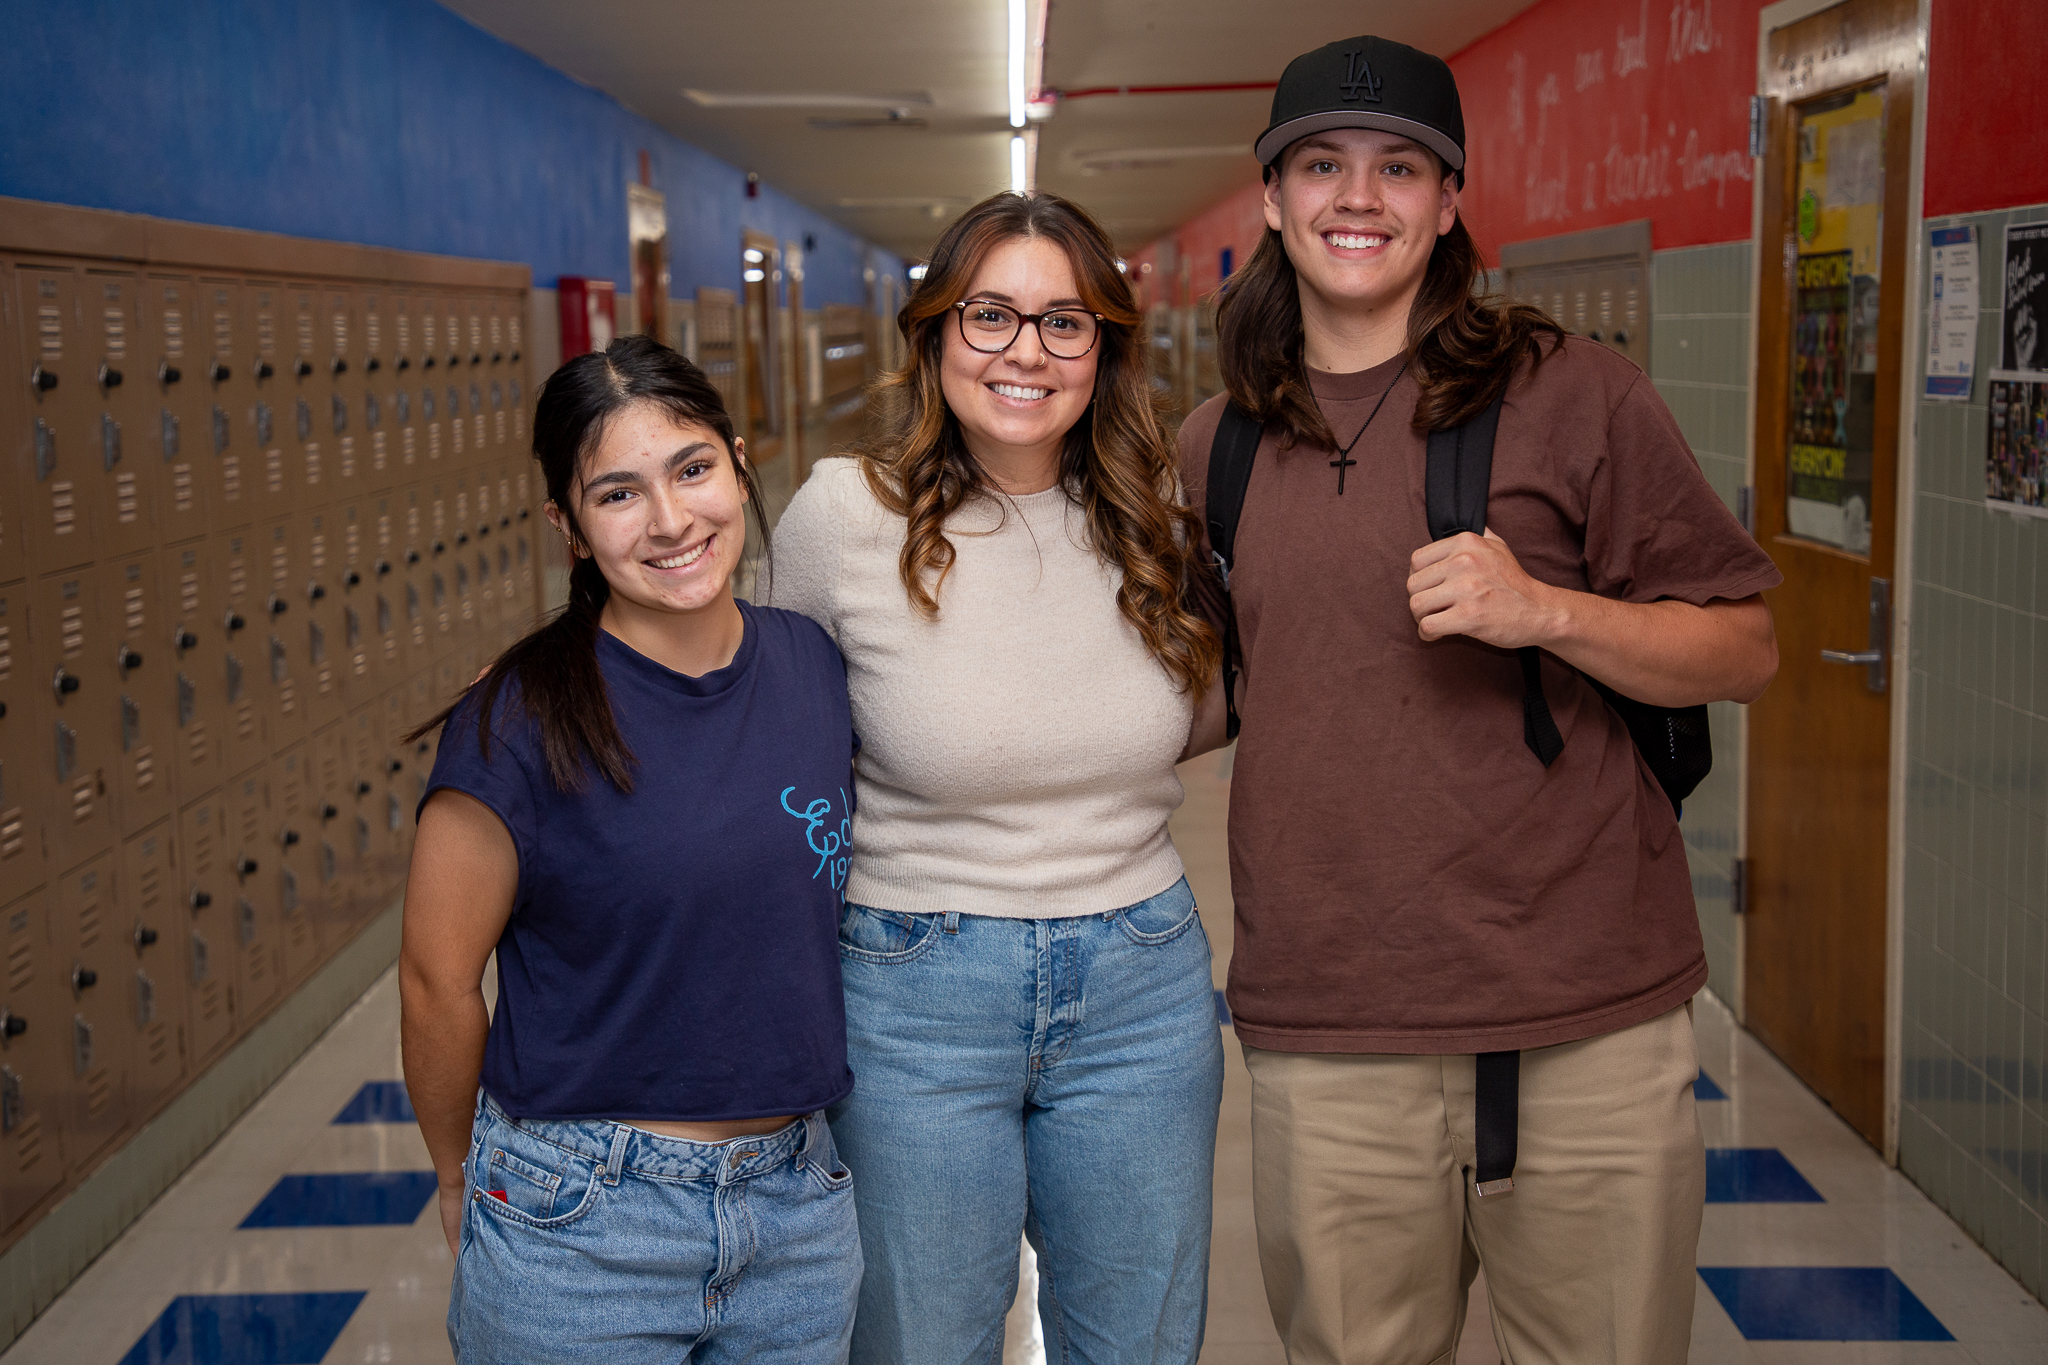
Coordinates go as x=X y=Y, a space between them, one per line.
x=1367 y=83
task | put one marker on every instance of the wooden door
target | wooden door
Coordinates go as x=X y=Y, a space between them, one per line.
x=760 y=324
x=1832 y=268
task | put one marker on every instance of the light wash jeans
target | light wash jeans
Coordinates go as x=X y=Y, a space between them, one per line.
x=1057 y=1079
x=595 y=1242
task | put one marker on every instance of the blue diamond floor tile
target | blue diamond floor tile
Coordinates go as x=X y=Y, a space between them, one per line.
x=1705 y=1089
x=378 y=1102
x=244 y=1329
x=1755 y=1175
x=1222 y=1011
x=355 y=1199
x=1822 y=1303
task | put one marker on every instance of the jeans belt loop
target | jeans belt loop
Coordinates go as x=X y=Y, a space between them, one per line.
x=616 y=1162
x=952 y=921
x=814 y=1129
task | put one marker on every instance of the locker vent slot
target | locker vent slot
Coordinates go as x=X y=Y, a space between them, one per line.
x=404 y=333
x=188 y=594
x=196 y=750
x=223 y=334
x=50 y=331
x=145 y=768
x=305 y=332
x=266 y=332
x=280 y=569
x=131 y=723
x=116 y=323
x=167 y=433
x=89 y=923
x=500 y=425
x=83 y=803
x=63 y=508
x=245 y=722
x=145 y=1010
x=110 y=442
x=238 y=579
x=157 y=1041
x=13 y=833
x=273 y=471
x=318 y=551
x=174 y=330
x=132 y=603
x=26 y=1146
x=6 y=654
x=21 y=965
x=372 y=333
x=340 y=333
x=182 y=491
x=348 y=457
x=312 y=463
x=81 y=1050
x=99 y=1092
x=127 y=503
x=427 y=333
x=377 y=451
x=149 y=883
x=71 y=631
x=222 y=427
x=406 y=448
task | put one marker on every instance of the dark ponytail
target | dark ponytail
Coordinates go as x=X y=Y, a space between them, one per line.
x=560 y=684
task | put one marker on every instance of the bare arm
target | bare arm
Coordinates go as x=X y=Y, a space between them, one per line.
x=1662 y=653
x=465 y=873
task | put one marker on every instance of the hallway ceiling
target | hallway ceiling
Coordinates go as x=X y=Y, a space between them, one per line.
x=891 y=116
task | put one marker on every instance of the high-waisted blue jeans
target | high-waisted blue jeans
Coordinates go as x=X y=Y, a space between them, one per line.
x=1055 y=1078
x=602 y=1244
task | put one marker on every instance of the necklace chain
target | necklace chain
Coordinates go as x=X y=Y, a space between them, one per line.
x=1344 y=460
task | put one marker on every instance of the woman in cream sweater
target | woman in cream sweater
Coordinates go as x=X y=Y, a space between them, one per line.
x=1029 y=1016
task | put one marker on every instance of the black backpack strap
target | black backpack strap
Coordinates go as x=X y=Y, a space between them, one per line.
x=1455 y=484
x=1230 y=473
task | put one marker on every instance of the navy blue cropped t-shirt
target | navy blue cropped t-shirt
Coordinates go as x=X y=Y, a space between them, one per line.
x=673 y=953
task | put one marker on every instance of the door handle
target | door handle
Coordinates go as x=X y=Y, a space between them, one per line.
x=1877 y=656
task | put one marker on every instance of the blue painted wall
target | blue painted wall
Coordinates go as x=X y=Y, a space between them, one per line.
x=388 y=122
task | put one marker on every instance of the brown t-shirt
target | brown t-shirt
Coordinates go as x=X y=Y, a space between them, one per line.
x=1408 y=876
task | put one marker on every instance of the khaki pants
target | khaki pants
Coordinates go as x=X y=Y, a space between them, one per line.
x=1370 y=1233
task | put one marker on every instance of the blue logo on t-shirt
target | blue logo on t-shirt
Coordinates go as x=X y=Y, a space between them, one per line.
x=833 y=846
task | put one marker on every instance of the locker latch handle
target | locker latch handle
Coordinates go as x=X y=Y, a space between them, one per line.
x=301 y=368
x=373 y=365
x=264 y=369
x=245 y=867
x=219 y=373
x=233 y=622
x=167 y=373
x=404 y=364
x=144 y=936
x=278 y=606
x=362 y=787
x=83 y=978
x=128 y=659
x=184 y=639
x=314 y=592
x=328 y=810
x=288 y=838
x=41 y=380
x=12 y=1025
x=110 y=378
x=64 y=683
x=351 y=578
x=200 y=900
x=340 y=365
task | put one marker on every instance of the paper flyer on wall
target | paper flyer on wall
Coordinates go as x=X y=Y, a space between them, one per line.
x=2016 y=462
x=1952 y=314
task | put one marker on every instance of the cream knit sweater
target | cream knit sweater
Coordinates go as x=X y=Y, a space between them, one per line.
x=1016 y=755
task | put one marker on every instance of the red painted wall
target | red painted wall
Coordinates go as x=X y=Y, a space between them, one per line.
x=1986 y=148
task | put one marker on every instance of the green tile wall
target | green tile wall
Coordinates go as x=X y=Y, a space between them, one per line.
x=1699 y=360
x=1973 y=1122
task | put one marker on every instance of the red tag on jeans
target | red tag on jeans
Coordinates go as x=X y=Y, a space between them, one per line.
x=498 y=1195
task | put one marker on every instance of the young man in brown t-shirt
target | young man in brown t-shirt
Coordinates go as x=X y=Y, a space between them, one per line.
x=1414 y=886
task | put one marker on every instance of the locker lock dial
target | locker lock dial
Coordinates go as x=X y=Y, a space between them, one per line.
x=64 y=684
x=110 y=378
x=144 y=936
x=264 y=370
x=233 y=622
x=412 y=556
x=199 y=900
x=301 y=368
x=404 y=364
x=245 y=867
x=183 y=639
x=328 y=810
x=12 y=1025
x=340 y=365
x=288 y=837
x=351 y=578
x=278 y=605
x=393 y=766
x=314 y=592
x=373 y=364
x=83 y=978
x=41 y=380
x=383 y=567
x=219 y=373
x=362 y=787
x=167 y=373
x=128 y=659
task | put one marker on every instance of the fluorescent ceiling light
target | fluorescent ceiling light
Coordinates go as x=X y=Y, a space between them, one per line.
x=756 y=275
x=1020 y=180
x=800 y=99
x=1017 y=50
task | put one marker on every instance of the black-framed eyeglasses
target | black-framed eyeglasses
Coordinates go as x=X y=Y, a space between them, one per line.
x=1065 y=333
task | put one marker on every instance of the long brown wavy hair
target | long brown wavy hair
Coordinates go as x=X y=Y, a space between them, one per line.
x=1464 y=342
x=1116 y=462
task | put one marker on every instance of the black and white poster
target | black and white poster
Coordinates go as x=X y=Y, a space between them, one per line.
x=2023 y=306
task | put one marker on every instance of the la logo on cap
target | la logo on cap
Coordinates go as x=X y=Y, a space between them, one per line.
x=1359 y=83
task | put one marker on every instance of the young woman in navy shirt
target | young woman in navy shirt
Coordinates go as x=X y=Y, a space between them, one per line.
x=642 y=809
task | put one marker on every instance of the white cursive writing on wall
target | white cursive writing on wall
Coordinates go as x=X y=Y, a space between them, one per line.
x=1692 y=30
x=1633 y=53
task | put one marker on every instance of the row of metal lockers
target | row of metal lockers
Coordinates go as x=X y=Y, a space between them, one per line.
x=252 y=531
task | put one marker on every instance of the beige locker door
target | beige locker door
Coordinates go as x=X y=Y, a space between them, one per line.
x=16 y=440
x=153 y=976
x=455 y=418
x=54 y=368
x=244 y=665
x=462 y=523
x=384 y=608
x=342 y=413
x=434 y=422
x=284 y=676
x=295 y=880
x=362 y=811
x=70 y=638
x=1632 y=320
x=124 y=461
x=401 y=398
x=323 y=633
x=169 y=373
x=189 y=688
x=91 y=949
x=35 y=1021
x=285 y=417
x=332 y=856
x=137 y=662
x=239 y=391
x=415 y=537
x=251 y=884
x=437 y=584
x=354 y=648
x=393 y=818
x=206 y=889
x=25 y=729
